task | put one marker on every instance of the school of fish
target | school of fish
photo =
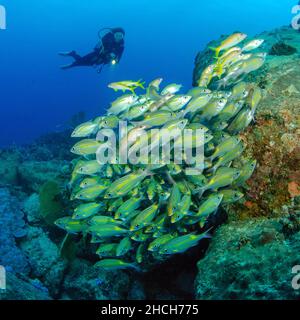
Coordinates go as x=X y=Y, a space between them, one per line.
x=139 y=213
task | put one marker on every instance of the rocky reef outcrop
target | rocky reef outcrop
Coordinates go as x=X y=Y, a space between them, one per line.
x=252 y=255
x=250 y=259
x=13 y=229
x=30 y=250
x=84 y=281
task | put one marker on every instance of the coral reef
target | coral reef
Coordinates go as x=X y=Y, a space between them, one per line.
x=52 y=146
x=85 y=282
x=33 y=174
x=12 y=229
x=23 y=288
x=31 y=208
x=255 y=262
x=250 y=255
x=274 y=140
x=282 y=49
x=9 y=161
x=273 y=191
x=34 y=265
x=44 y=259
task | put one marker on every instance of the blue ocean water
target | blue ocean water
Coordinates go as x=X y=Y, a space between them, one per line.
x=162 y=39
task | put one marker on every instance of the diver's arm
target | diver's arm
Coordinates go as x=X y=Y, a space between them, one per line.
x=119 y=52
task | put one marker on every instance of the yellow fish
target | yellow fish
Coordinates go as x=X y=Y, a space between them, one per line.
x=126 y=85
x=89 y=167
x=86 y=147
x=229 y=42
x=84 y=130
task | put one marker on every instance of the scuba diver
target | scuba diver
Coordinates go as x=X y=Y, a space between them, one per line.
x=109 y=50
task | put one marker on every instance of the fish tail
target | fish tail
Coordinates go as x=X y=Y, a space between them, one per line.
x=136 y=123
x=199 y=191
x=147 y=172
x=135 y=267
x=216 y=50
x=221 y=83
x=211 y=158
x=206 y=234
x=141 y=83
x=213 y=170
x=132 y=91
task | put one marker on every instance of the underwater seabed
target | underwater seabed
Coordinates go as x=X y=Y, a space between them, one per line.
x=255 y=244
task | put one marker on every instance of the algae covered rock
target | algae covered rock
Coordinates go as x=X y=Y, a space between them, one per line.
x=31 y=207
x=251 y=259
x=85 y=282
x=21 y=288
x=282 y=49
x=274 y=139
x=44 y=258
x=13 y=228
x=33 y=174
x=9 y=163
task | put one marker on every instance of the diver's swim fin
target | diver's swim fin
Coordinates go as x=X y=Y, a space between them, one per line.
x=67 y=66
x=67 y=54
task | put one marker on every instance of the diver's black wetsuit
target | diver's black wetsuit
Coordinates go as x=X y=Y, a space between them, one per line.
x=107 y=50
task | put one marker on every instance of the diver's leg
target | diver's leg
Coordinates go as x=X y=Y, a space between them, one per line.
x=87 y=60
x=75 y=56
x=72 y=54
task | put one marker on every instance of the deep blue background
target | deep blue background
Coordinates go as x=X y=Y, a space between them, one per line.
x=162 y=39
